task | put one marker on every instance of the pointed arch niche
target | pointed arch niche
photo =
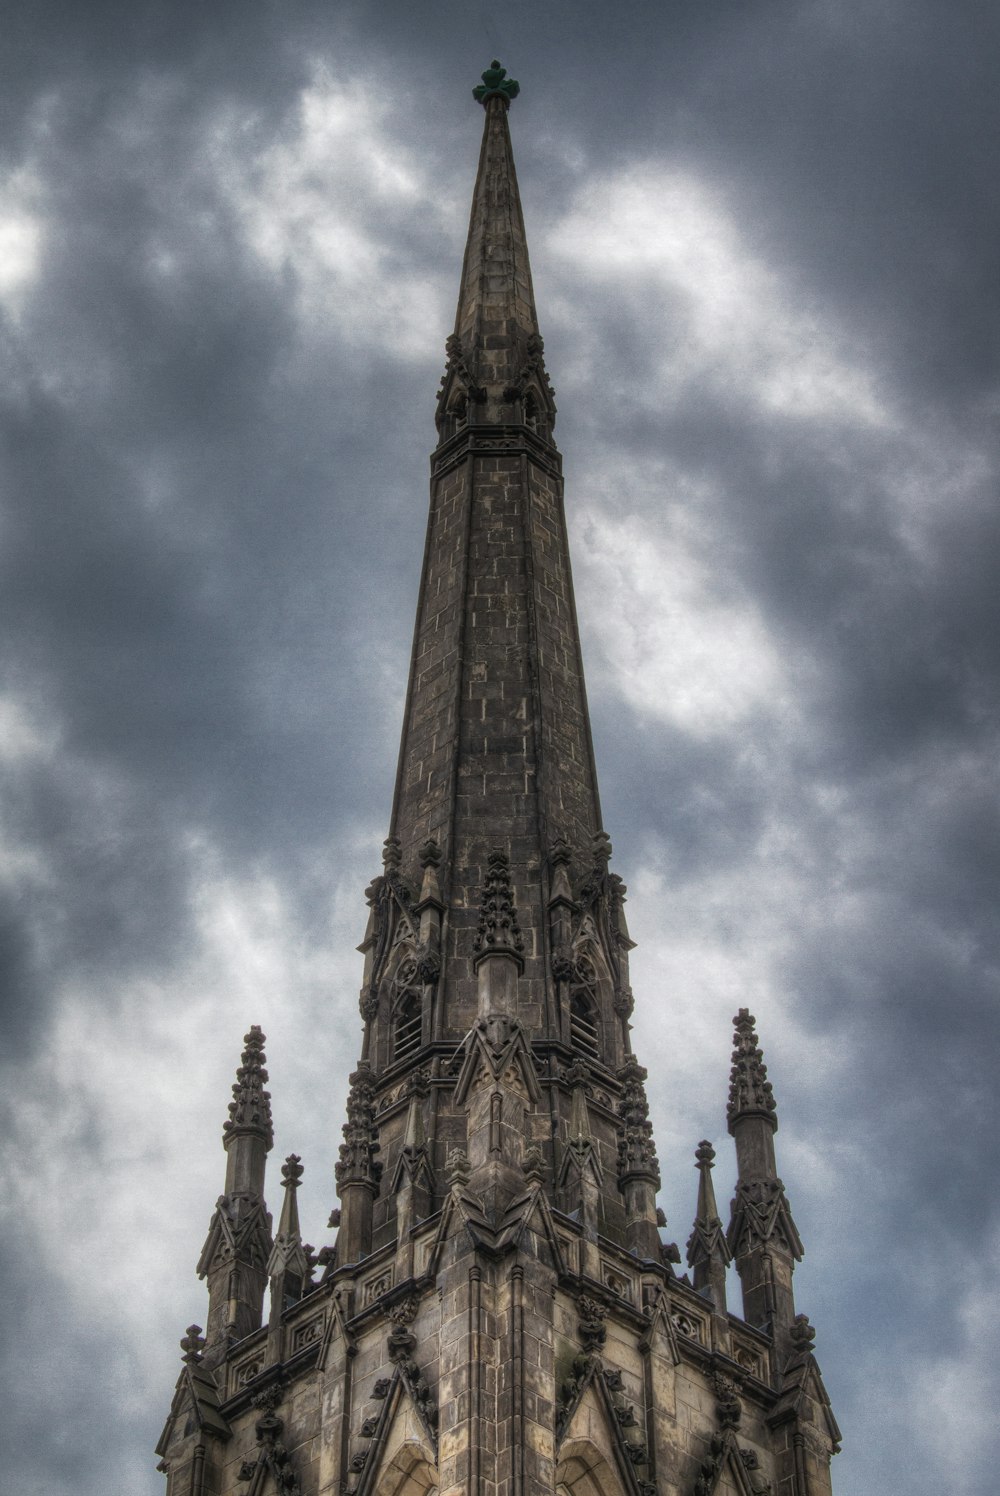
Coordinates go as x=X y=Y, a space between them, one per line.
x=584 y=1471
x=408 y=1473
x=404 y=1003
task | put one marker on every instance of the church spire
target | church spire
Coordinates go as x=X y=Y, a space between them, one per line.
x=495 y=352
x=236 y=1251
x=708 y=1252
x=762 y=1235
x=499 y=1311
x=289 y=1264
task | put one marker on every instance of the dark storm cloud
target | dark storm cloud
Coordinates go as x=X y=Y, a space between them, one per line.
x=156 y=588
x=213 y=514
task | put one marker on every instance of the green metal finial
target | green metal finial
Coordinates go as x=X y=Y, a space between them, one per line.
x=496 y=85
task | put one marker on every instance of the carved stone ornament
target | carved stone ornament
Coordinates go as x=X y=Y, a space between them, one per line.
x=761 y=1216
x=636 y=1151
x=400 y=1346
x=357 y=1164
x=272 y=1454
x=405 y=1312
x=498 y=930
x=250 y=1108
x=457 y=1169
x=758 y=1482
x=801 y=1334
x=393 y=922
x=749 y=1088
x=593 y=1332
x=192 y=1345
x=728 y=1407
x=496 y=85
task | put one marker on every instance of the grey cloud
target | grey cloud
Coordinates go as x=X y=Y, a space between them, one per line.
x=212 y=537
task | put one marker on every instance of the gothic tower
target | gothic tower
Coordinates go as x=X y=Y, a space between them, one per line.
x=499 y=1315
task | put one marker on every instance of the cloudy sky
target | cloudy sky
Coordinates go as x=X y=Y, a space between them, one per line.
x=763 y=234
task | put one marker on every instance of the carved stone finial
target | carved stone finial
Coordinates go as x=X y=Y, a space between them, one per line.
x=707 y=1243
x=357 y=1164
x=802 y=1334
x=749 y=1087
x=636 y=1150
x=250 y=1108
x=533 y=1164
x=498 y=931
x=457 y=1169
x=192 y=1345
x=392 y=852
x=560 y=852
x=602 y=847
x=419 y=1082
x=292 y=1171
x=496 y=85
x=429 y=854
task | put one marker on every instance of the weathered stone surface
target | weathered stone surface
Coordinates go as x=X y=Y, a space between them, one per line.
x=498 y=1316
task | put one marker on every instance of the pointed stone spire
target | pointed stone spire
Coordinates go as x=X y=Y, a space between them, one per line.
x=250 y=1108
x=236 y=1251
x=581 y=1176
x=288 y=1266
x=749 y=1088
x=708 y=1251
x=495 y=371
x=638 y=1166
x=762 y=1235
x=357 y=1170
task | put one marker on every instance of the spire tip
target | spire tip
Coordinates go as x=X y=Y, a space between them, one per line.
x=496 y=85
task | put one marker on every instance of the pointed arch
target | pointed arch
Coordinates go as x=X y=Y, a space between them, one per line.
x=403 y=1000
x=584 y=1471
x=408 y=1473
x=590 y=997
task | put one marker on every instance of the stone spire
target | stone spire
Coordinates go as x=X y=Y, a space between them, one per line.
x=708 y=1252
x=762 y=1235
x=357 y=1170
x=499 y=1313
x=495 y=352
x=236 y=1251
x=289 y=1266
x=495 y=753
x=749 y=1088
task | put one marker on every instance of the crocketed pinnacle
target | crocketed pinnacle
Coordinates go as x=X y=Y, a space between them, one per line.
x=708 y=1239
x=749 y=1087
x=499 y=931
x=250 y=1108
x=288 y=1252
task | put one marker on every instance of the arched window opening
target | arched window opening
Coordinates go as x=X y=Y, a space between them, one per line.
x=583 y=1012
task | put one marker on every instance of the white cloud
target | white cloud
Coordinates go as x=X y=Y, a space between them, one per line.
x=113 y=1159
x=21 y=236
x=677 y=259
x=681 y=650
x=337 y=204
